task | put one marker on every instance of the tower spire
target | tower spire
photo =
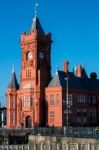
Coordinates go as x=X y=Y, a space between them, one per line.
x=36 y=23
x=36 y=8
x=13 y=68
x=13 y=83
x=56 y=70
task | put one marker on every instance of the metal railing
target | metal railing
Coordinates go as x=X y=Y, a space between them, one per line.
x=20 y=135
x=14 y=147
x=67 y=132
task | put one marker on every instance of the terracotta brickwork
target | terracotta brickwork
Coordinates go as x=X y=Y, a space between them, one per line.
x=39 y=100
x=54 y=106
x=35 y=76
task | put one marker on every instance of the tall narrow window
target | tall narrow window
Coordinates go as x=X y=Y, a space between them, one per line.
x=51 y=99
x=31 y=99
x=57 y=99
x=52 y=115
x=13 y=118
x=13 y=102
x=94 y=99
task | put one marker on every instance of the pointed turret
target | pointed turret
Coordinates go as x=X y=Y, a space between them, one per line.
x=13 y=83
x=11 y=96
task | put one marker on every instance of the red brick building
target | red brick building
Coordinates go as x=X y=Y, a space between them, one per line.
x=42 y=100
x=83 y=98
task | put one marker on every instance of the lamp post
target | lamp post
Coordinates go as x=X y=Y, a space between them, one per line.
x=67 y=100
x=95 y=137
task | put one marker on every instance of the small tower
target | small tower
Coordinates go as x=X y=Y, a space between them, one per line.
x=11 y=97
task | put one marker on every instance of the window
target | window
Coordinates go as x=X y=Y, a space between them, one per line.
x=81 y=99
x=84 y=110
x=94 y=99
x=69 y=100
x=8 y=101
x=13 y=102
x=69 y=111
x=89 y=99
x=57 y=99
x=69 y=96
x=52 y=116
x=70 y=103
x=27 y=100
x=65 y=111
x=79 y=120
x=31 y=100
x=79 y=110
x=84 y=120
x=92 y=113
x=51 y=99
x=28 y=73
x=13 y=118
x=51 y=120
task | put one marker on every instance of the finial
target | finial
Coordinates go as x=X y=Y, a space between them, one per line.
x=35 y=8
x=75 y=70
x=56 y=69
x=75 y=67
x=13 y=68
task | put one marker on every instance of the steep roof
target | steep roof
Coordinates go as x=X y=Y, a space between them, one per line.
x=55 y=81
x=74 y=82
x=13 y=83
x=84 y=74
x=36 y=25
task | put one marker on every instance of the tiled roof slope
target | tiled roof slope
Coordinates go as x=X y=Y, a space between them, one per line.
x=13 y=83
x=36 y=25
x=73 y=81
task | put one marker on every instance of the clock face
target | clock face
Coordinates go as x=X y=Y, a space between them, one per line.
x=29 y=55
x=41 y=55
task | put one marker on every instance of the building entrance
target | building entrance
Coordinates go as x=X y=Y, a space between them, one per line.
x=28 y=122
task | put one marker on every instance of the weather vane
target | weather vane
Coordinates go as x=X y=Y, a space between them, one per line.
x=36 y=8
x=12 y=68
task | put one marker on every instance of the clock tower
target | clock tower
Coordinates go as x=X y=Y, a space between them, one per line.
x=34 y=77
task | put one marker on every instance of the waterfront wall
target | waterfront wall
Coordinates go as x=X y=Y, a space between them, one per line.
x=62 y=143
x=55 y=143
x=15 y=147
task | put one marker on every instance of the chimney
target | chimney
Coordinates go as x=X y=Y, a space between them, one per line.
x=79 y=71
x=66 y=66
x=93 y=75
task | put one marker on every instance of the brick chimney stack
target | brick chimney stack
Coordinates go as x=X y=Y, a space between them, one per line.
x=79 y=71
x=66 y=66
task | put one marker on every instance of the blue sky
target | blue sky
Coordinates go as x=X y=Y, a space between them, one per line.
x=75 y=31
